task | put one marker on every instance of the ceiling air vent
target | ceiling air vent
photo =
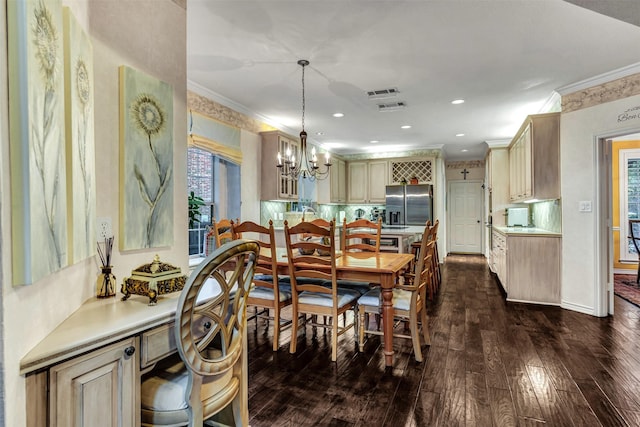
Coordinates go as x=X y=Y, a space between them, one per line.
x=383 y=93
x=393 y=106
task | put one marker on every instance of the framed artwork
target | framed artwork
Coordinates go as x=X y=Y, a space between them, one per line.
x=81 y=182
x=37 y=139
x=146 y=164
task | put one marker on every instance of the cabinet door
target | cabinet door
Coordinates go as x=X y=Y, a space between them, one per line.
x=338 y=181
x=357 y=182
x=288 y=187
x=527 y=172
x=378 y=178
x=98 y=389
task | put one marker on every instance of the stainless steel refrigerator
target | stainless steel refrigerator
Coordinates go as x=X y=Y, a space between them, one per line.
x=409 y=204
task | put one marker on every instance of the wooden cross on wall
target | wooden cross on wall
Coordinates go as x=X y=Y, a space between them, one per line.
x=464 y=172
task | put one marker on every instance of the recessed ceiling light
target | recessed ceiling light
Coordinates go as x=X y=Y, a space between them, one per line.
x=457 y=101
x=406 y=127
x=319 y=133
x=459 y=134
x=464 y=150
x=338 y=115
x=375 y=141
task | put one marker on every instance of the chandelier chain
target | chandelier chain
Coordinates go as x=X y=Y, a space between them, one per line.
x=303 y=98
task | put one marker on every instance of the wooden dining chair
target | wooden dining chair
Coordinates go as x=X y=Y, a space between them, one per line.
x=311 y=253
x=361 y=235
x=409 y=302
x=269 y=295
x=219 y=233
x=433 y=236
x=207 y=378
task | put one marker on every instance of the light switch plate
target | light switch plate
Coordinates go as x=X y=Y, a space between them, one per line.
x=584 y=206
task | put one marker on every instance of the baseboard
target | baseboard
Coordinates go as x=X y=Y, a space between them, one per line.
x=577 y=307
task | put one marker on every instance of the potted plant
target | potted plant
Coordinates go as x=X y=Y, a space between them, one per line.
x=194 y=205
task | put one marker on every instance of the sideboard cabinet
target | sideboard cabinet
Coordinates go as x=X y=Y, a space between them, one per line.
x=87 y=372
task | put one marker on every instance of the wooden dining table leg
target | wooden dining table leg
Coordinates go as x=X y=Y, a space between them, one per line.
x=387 y=318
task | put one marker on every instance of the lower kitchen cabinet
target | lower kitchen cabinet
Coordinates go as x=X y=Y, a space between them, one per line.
x=528 y=266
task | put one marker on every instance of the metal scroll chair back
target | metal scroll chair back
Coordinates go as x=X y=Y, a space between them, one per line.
x=210 y=377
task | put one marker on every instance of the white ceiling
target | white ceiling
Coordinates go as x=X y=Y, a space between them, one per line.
x=505 y=58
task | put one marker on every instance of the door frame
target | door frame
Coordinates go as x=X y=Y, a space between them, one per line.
x=604 y=293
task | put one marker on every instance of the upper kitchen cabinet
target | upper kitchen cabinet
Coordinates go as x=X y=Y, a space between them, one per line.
x=534 y=159
x=497 y=175
x=367 y=181
x=274 y=185
x=334 y=188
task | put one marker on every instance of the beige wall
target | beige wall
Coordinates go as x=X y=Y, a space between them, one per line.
x=150 y=36
x=583 y=267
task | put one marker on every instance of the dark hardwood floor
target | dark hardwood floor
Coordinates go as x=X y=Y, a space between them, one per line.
x=490 y=363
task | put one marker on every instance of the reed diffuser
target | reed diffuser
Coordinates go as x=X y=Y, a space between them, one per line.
x=106 y=282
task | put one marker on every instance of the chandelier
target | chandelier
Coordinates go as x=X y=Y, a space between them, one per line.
x=306 y=166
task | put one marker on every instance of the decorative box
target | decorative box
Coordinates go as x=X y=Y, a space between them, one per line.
x=156 y=278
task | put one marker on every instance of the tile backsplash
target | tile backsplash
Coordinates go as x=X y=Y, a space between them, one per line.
x=547 y=215
x=275 y=210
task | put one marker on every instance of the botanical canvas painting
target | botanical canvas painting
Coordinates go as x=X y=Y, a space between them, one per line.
x=37 y=132
x=146 y=136
x=81 y=181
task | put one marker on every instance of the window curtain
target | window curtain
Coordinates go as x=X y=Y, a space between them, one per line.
x=215 y=137
x=229 y=153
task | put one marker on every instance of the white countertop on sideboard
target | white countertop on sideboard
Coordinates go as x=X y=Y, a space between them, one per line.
x=99 y=322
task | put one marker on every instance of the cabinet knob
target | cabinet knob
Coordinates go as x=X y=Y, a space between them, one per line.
x=129 y=351
x=207 y=325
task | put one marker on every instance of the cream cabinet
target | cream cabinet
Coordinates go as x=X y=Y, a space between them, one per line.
x=100 y=388
x=528 y=266
x=497 y=176
x=274 y=185
x=338 y=182
x=498 y=261
x=534 y=159
x=367 y=181
x=333 y=189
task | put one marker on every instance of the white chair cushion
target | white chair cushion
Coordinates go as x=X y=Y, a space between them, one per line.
x=345 y=296
x=401 y=299
x=165 y=391
x=267 y=294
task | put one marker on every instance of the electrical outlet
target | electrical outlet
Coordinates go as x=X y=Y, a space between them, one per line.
x=103 y=228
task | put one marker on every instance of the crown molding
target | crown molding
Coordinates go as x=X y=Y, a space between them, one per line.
x=498 y=143
x=235 y=106
x=600 y=79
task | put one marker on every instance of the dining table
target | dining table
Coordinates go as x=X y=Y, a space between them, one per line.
x=381 y=268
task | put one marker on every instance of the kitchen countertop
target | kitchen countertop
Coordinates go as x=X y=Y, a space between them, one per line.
x=526 y=231
x=407 y=230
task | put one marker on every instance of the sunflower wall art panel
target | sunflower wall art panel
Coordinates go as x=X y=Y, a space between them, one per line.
x=37 y=139
x=146 y=163
x=81 y=182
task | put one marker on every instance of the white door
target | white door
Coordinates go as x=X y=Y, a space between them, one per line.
x=465 y=217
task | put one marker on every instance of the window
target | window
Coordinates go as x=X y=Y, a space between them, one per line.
x=629 y=200
x=217 y=181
